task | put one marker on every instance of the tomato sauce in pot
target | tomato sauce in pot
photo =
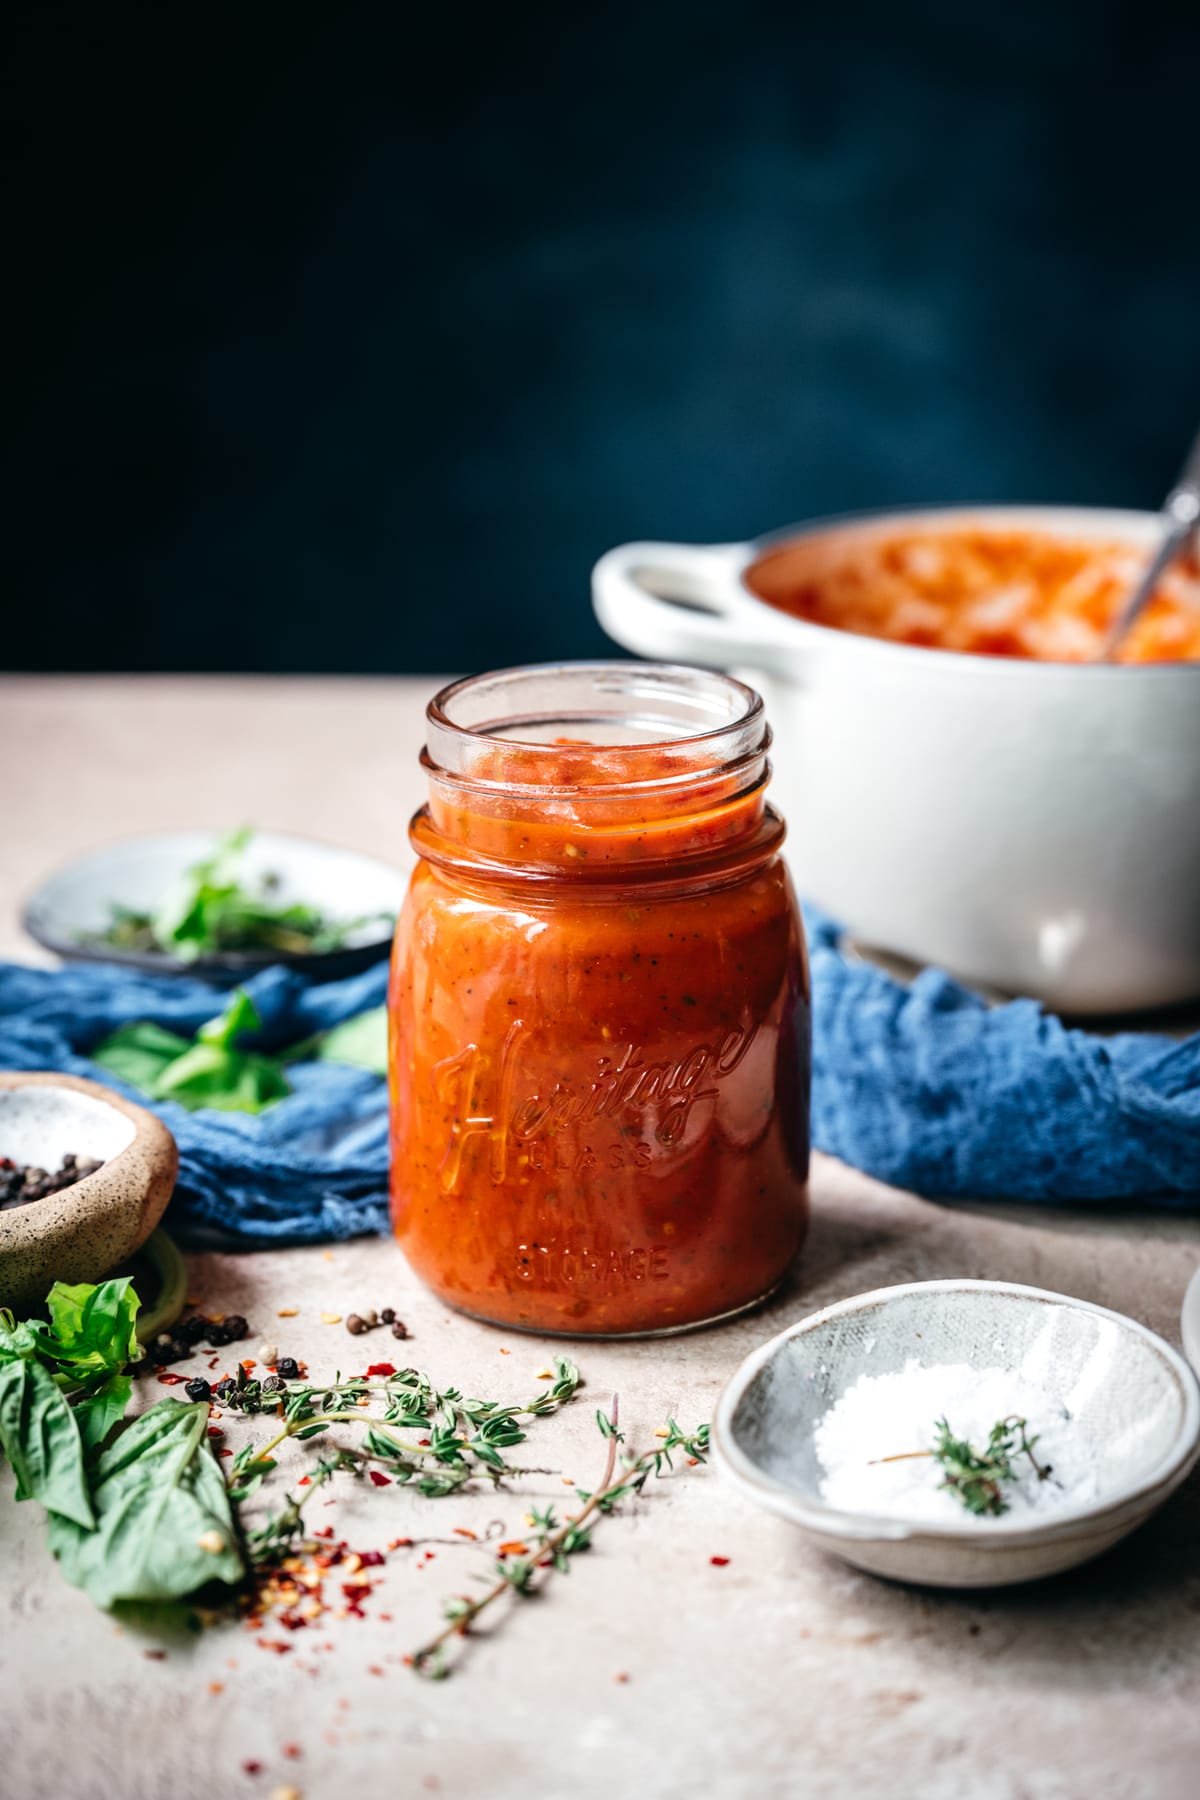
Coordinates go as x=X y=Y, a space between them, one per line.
x=986 y=591
x=599 y=1007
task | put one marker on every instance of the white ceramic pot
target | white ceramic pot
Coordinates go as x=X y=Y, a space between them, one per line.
x=1031 y=826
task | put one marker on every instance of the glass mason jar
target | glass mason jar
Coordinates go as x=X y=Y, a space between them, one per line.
x=599 y=1005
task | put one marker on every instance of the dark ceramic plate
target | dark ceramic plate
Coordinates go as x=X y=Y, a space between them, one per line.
x=75 y=903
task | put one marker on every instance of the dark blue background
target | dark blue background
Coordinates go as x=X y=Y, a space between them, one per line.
x=346 y=340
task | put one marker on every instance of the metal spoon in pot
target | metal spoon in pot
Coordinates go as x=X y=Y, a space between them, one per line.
x=1179 y=516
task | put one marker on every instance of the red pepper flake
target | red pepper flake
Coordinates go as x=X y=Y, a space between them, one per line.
x=215 y=1431
x=693 y=1462
x=304 y=1481
x=155 y=1655
x=224 y=1452
x=374 y=1669
x=382 y=1369
x=293 y=1752
x=622 y=1677
x=250 y=1767
x=326 y=1531
x=379 y=1479
x=271 y=1644
x=719 y=1562
x=371 y=1559
x=356 y=1591
x=425 y=1441
x=461 y=1531
x=514 y=1548
x=249 y=1363
x=400 y=1544
x=169 y=1380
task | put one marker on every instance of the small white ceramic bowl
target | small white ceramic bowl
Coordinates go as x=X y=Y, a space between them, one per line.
x=141 y=872
x=1114 y=1378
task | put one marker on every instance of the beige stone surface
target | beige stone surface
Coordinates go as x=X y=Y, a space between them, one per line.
x=780 y=1674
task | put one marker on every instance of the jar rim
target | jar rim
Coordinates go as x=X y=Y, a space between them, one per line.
x=621 y=707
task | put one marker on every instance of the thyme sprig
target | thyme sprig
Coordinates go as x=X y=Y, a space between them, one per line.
x=974 y=1476
x=463 y=1442
x=462 y=1446
x=553 y=1543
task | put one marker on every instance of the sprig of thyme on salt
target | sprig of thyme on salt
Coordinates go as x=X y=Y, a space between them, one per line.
x=974 y=1476
x=550 y=1544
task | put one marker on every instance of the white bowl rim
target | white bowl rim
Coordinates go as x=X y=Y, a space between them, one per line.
x=839 y=1522
x=1047 y=516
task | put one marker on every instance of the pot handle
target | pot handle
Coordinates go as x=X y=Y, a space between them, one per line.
x=673 y=601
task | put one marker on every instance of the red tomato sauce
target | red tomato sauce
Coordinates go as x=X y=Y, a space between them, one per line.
x=599 y=1066
x=984 y=591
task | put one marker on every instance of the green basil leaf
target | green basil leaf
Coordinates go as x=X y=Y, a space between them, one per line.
x=164 y=1527
x=241 y=1015
x=139 y=1053
x=97 y=1413
x=16 y=1339
x=93 y=1328
x=42 y=1442
x=224 y=1080
x=361 y=1042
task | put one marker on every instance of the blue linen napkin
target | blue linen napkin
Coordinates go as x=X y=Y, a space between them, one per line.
x=924 y=1086
x=310 y=1169
x=930 y=1088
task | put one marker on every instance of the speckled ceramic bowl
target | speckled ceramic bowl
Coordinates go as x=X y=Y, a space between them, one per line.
x=1133 y=1403
x=82 y=1232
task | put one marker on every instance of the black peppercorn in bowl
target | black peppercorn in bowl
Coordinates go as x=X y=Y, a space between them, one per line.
x=85 y=1177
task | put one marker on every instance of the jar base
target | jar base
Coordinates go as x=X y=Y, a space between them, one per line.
x=611 y=1337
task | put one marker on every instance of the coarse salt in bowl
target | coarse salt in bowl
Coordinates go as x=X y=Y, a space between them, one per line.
x=807 y=1422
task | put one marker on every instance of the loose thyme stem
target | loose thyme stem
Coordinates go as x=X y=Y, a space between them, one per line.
x=459 y=1626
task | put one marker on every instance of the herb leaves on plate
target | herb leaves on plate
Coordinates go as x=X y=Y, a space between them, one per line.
x=213 y=911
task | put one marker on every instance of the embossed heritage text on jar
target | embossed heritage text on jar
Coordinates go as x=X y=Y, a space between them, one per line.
x=599 y=1005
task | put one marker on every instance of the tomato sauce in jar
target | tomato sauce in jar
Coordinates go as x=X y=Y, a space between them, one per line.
x=599 y=1006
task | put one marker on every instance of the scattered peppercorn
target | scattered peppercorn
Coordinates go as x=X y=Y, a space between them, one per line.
x=225 y=1389
x=236 y=1326
x=388 y=1315
x=167 y=1348
x=288 y=1367
x=356 y=1326
x=198 y=1389
x=273 y=1385
x=399 y=1329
